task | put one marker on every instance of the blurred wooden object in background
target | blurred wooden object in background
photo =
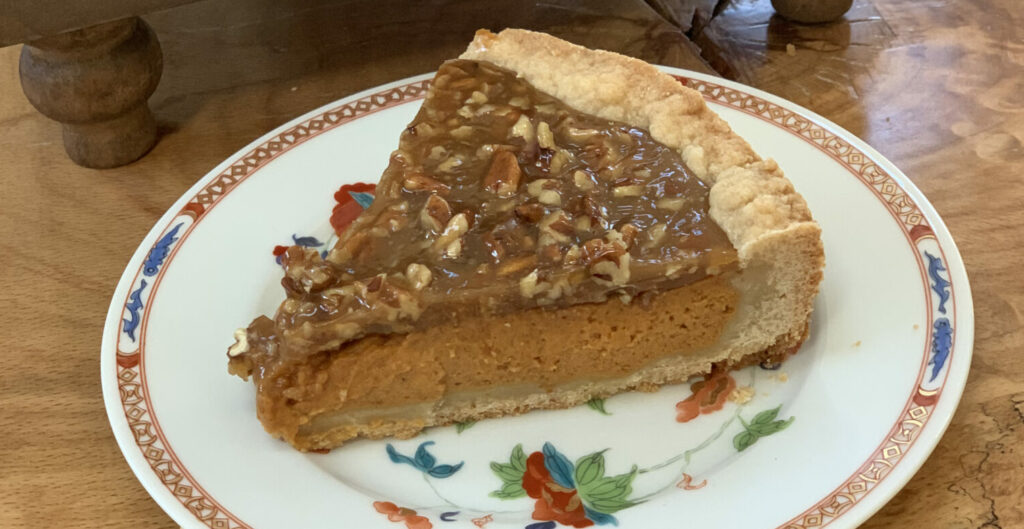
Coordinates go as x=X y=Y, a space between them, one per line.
x=95 y=82
x=90 y=66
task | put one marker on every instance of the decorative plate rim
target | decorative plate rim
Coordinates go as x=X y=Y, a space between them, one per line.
x=170 y=484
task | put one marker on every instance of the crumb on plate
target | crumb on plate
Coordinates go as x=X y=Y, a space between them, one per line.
x=741 y=395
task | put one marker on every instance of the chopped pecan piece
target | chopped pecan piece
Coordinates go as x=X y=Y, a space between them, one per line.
x=582 y=181
x=435 y=213
x=562 y=225
x=672 y=204
x=546 y=191
x=613 y=272
x=419 y=276
x=597 y=249
x=545 y=138
x=629 y=233
x=450 y=240
x=530 y=212
x=572 y=255
x=477 y=97
x=551 y=253
x=504 y=175
x=529 y=285
x=511 y=266
x=628 y=191
x=556 y=227
x=375 y=283
x=523 y=129
x=422 y=182
x=592 y=208
x=305 y=269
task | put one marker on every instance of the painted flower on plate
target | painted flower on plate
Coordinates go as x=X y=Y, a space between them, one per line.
x=423 y=461
x=571 y=494
x=709 y=395
x=401 y=514
x=555 y=502
x=351 y=199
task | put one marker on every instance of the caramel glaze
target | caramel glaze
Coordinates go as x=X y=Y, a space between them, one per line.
x=500 y=198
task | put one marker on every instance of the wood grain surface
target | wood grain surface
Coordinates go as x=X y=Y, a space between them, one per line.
x=936 y=86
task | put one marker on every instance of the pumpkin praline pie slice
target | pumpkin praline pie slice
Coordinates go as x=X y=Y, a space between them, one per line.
x=557 y=224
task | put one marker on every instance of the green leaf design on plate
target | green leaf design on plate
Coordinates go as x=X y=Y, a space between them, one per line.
x=609 y=494
x=626 y=480
x=603 y=489
x=611 y=505
x=506 y=472
x=518 y=458
x=766 y=416
x=606 y=494
x=762 y=425
x=509 y=491
x=511 y=475
x=597 y=405
x=763 y=430
x=589 y=468
x=463 y=426
x=743 y=440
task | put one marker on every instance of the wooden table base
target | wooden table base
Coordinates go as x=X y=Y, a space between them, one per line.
x=95 y=82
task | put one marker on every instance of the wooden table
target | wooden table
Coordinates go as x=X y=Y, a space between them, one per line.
x=935 y=86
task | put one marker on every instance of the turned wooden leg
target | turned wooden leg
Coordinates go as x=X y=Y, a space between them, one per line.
x=812 y=11
x=95 y=81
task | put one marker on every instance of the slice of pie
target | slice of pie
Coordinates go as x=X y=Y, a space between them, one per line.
x=557 y=224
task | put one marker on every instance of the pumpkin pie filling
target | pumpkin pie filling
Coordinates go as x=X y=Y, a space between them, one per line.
x=506 y=226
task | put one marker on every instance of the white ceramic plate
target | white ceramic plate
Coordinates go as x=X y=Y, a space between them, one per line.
x=826 y=439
